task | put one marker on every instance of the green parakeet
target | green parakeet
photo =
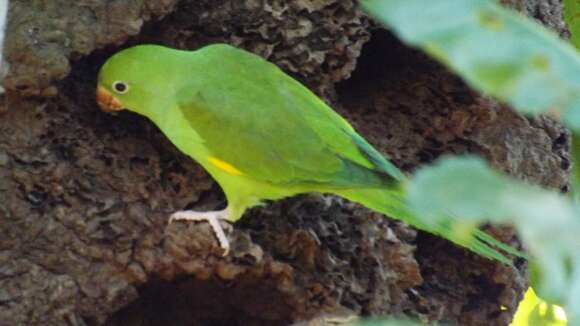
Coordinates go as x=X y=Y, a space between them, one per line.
x=260 y=134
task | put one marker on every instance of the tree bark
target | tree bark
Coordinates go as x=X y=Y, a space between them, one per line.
x=85 y=196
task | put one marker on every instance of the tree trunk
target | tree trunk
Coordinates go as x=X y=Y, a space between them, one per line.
x=85 y=196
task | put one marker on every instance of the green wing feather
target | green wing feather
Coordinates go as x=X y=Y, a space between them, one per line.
x=274 y=129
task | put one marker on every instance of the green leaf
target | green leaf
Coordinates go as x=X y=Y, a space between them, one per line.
x=547 y=221
x=496 y=50
x=572 y=18
x=534 y=311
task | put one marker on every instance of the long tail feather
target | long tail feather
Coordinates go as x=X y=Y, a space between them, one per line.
x=391 y=202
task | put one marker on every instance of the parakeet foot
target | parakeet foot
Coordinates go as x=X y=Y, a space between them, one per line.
x=213 y=218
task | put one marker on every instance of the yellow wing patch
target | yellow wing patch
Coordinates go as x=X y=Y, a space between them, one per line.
x=225 y=166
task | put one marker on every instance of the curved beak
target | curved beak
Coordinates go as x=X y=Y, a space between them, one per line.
x=107 y=101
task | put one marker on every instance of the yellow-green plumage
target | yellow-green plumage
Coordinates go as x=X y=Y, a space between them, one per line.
x=258 y=132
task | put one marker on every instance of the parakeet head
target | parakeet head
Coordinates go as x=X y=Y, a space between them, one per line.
x=134 y=77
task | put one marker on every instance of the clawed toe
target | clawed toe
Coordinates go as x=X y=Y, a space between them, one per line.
x=213 y=218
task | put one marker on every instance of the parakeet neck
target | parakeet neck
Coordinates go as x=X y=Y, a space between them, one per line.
x=172 y=123
x=164 y=109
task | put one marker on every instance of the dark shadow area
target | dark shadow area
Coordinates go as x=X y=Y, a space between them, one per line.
x=383 y=56
x=208 y=303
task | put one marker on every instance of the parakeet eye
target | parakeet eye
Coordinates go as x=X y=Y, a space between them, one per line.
x=120 y=87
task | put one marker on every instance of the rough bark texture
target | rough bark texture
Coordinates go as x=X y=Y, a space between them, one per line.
x=85 y=196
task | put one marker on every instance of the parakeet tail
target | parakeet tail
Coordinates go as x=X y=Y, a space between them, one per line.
x=391 y=202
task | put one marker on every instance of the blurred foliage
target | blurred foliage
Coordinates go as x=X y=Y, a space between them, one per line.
x=547 y=221
x=496 y=50
x=535 y=311
x=514 y=59
x=572 y=17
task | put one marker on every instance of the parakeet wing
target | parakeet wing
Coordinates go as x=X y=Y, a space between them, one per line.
x=270 y=127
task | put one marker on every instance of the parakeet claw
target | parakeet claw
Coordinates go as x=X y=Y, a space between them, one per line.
x=213 y=218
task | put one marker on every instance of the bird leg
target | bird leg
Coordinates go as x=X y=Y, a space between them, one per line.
x=213 y=218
